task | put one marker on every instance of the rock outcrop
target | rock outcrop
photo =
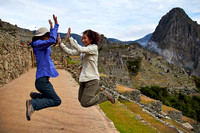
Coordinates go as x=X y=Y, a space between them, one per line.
x=177 y=39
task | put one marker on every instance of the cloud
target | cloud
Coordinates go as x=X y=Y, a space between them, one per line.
x=122 y=19
x=32 y=27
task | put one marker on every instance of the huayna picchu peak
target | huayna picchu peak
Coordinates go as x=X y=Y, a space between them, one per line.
x=177 y=39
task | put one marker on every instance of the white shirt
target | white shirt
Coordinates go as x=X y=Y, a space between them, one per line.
x=89 y=59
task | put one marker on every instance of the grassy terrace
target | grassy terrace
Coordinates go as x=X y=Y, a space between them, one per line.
x=124 y=116
x=148 y=118
x=124 y=119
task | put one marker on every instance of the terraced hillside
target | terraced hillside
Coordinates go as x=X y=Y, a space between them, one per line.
x=131 y=117
x=153 y=69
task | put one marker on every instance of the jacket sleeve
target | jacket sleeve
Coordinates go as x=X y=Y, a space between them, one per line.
x=69 y=51
x=42 y=45
x=88 y=50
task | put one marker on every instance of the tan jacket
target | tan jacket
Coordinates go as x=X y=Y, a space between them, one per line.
x=89 y=59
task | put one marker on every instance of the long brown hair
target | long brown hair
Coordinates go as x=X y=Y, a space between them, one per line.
x=92 y=35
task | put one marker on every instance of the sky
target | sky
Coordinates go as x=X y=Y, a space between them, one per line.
x=126 y=20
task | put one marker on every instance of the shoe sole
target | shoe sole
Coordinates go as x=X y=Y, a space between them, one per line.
x=27 y=105
x=112 y=99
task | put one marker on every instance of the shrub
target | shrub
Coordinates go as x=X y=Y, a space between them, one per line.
x=197 y=81
x=134 y=65
x=189 y=105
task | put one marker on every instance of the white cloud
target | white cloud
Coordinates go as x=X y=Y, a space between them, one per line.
x=121 y=19
x=32 y=27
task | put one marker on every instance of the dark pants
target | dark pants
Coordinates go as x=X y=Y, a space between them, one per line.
x=89 y=93
x=47 y=96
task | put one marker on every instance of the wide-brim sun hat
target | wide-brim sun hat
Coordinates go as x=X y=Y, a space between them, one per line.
x=41 y=31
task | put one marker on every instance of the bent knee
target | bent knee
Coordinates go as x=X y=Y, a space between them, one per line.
x=83 y=104
x=58 y=102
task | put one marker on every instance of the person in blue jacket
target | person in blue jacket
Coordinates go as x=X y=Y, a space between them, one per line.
x=41 y=44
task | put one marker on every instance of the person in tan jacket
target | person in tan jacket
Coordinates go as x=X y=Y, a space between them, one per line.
x=89 y=89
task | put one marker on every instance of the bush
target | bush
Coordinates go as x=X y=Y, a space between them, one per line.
x=134 y=65
x=197 y=81
x=190 y=106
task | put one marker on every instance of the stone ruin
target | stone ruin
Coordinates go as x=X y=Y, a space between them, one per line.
x=155 y=107
x=16 y=55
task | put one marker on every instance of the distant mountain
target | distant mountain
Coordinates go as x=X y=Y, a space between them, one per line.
x=75 y=36
x=142 y=41
x=177 y=39
x=114 y=40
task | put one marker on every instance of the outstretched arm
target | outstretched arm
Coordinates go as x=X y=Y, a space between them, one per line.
x=68 y=51
x=64 y=48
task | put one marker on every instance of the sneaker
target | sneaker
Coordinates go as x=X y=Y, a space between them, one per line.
x=29 y=109
x=111 y=98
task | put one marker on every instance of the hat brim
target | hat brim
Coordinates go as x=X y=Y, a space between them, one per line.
x=41 y=34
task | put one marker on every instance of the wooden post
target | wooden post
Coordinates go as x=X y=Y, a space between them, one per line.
x=33 y=63
x=65 y=63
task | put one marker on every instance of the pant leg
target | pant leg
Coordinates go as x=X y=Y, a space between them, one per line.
x=80 y=91
x=37 y=95
x=50 y=99
x=90 y=96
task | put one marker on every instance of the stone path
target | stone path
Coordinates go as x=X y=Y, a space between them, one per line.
x=69 y=117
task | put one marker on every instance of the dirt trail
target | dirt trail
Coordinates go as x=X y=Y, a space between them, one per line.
x=69 y=117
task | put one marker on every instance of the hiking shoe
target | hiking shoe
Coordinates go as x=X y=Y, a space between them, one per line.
x=110 y=97
x=29 y=109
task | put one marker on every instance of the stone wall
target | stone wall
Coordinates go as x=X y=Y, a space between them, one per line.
x=154 y=106
x=175 y=115
x=111 y=63
x=134 y=95
x=58 y=57
x=15 y=53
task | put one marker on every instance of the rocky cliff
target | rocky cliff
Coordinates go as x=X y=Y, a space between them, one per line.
x=177 y=39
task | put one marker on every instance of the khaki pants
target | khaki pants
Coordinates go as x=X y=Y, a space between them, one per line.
x=89 y=93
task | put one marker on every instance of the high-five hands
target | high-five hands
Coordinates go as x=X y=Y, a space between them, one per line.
x=55 y=20
x=68 y=33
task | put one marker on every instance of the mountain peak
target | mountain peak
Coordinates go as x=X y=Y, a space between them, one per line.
x=177 y=39
x=174 y=19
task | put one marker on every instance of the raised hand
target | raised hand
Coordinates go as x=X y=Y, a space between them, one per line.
x=51 y=25
x=59 y=40
x=55 y=19
x=68 y=33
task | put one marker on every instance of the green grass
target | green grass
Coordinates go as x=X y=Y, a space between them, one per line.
x=154 y=122
x=124 y=119
x=69 y=61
